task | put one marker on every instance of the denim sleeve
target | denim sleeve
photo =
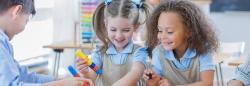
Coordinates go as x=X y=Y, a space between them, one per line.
x=10 y=74
x=243 y=73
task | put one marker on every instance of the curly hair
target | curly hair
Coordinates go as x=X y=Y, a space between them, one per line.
x=203 y=39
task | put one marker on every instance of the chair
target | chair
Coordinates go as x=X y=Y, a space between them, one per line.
x=232 y=49
x=227 y=51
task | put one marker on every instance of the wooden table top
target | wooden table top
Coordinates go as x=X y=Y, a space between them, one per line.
x=65 y=45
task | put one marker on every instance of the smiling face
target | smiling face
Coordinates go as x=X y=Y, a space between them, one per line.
x=171 y=31
x=120 y=31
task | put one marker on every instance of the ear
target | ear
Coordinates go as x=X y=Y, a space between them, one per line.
x=188 y=34
x=16 y=11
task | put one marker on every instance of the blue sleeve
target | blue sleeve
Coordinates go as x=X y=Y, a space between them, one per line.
x=96 y=58
x=140 y=55
x=243 y=73
x=34 y=77
x=156 y=63
x=206 y=62
x=9 y=72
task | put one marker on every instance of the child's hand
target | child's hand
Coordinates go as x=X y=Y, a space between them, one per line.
x=154 y=78
x=82 y=66
x=75 y=81
x=163 y=82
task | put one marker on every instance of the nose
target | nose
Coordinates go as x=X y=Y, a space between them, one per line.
x=163 y=35
x=119 y=35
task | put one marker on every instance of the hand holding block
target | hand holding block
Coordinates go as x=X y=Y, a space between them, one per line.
x=92 y=65
x=76 y=74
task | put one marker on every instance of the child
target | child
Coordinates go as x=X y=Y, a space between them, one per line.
x=242 y=73
x=121 y=61
x=186 y=42
x=14 y=15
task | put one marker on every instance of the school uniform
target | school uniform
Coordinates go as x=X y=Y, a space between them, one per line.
x=185 y=71
x=116 y=65
x=243 y=72
x=11 y=73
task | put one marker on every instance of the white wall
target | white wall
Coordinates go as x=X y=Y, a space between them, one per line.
x=233 y=26
x=65 y=13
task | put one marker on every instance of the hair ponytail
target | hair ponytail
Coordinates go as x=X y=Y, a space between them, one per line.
x=99 y=24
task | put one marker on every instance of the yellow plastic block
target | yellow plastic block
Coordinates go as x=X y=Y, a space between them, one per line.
x=89 y=62
x=81 y=55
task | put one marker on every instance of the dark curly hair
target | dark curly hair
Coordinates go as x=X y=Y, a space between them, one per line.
x=203 y=39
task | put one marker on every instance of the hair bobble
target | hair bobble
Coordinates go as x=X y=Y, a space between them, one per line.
x=107 y=2
x=137 y=3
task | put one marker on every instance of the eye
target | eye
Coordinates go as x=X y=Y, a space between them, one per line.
x=170 y=32
x=159 y=31
x=126 y=30
x=112 y=29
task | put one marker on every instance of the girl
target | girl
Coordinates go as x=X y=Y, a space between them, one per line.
x=187 y=41
x=122 y=62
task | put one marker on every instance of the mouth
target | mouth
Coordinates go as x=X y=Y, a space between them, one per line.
x=119 y=41
x=168 y=43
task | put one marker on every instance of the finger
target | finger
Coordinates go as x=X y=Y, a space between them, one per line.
x=80 y=83
x=160 y=83
x=78 y=59
x=78 y=79
x=154 y=76
x=90 y=82
x=78 y=63
x=80 y=67
x=81 y=64
x=85 y=61
x=151 y=71
x=145 y=77
x=147 y=72
x=84 y=71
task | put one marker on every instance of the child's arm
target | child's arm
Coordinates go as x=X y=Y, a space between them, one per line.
x=75 y=81
x=132 y=77
x=235 y=83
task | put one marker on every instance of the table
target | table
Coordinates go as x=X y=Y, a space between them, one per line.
x=59 y=48
x=219 y=59
x=237 y=62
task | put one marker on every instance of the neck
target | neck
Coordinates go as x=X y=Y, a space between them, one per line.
x=4 y=29
x=119 y=49
x=4 y=23
x=179 y=52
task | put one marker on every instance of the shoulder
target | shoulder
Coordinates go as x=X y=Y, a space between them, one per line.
x=206 y=62
x=205 y=56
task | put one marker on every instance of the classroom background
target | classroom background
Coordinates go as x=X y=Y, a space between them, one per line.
x=60 y=27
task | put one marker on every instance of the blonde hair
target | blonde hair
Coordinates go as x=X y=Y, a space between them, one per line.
x=135 y=13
